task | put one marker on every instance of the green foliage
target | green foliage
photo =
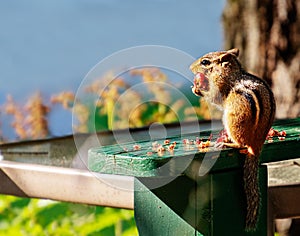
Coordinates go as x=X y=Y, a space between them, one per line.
x=139 y=98
x=24 y=216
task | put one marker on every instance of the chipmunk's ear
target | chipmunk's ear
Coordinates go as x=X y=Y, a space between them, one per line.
x=234 y=51
x=227 y=56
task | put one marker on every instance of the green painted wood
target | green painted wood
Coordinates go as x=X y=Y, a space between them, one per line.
x=229 y=206
x=138 y=158
x=213 y=205
x=154 y=217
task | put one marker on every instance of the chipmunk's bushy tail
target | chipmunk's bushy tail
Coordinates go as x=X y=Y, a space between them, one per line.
x=252 y=191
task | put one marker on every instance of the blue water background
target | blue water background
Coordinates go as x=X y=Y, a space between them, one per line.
x=49 y=46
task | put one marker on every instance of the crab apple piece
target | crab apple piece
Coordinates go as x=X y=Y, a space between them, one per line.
x=282 y=133
x=167 y=141
x=136 y=147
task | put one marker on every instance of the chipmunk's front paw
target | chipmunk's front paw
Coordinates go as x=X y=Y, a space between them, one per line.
x=219 y=145
x=222 y=140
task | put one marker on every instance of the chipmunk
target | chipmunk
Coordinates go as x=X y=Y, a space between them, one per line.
x=248 y=106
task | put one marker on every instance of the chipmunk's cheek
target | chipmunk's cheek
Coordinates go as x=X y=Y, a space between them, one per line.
x=201 y=84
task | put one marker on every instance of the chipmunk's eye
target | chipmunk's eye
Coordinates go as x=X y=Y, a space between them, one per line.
x=205 y=62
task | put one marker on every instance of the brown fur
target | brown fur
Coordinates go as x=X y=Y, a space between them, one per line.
x=249 y=107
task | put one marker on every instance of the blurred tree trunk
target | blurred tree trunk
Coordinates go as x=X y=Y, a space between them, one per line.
x=267 y=32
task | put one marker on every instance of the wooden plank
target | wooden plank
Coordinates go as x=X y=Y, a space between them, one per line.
x=284 y=173
x=139 y=159
x=65 y=184
x=229 y=207
x=284 y=201
x=154 y=217
x=213 y=204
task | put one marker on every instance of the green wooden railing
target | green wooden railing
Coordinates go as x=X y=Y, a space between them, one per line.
x=191 y=190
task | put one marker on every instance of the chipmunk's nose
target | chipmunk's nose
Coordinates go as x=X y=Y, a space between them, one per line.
x=193 y=66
